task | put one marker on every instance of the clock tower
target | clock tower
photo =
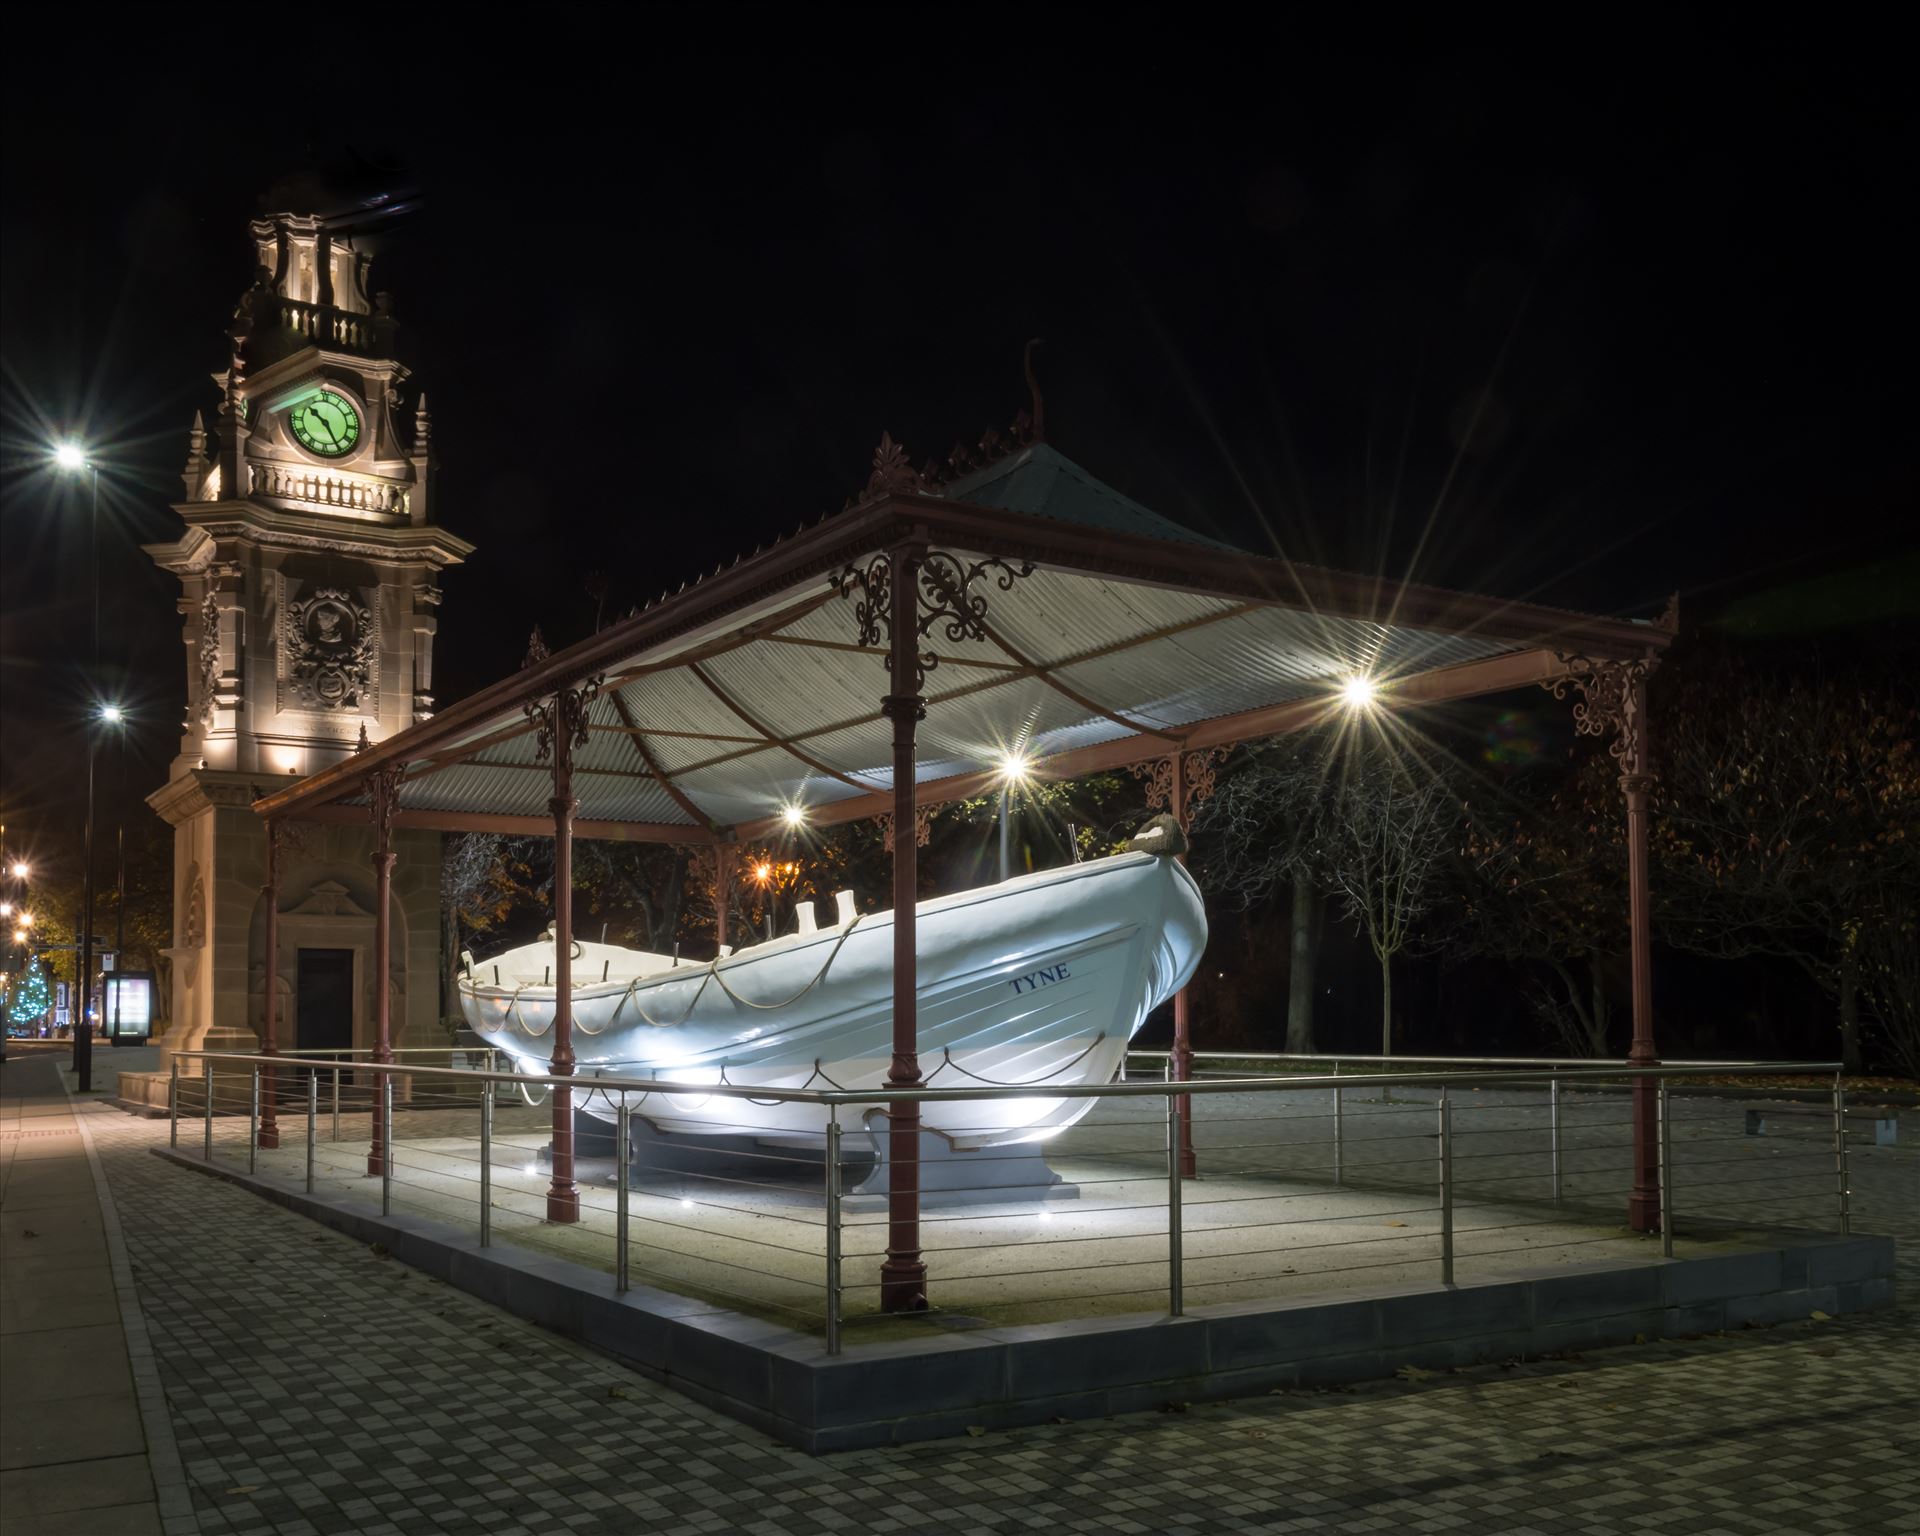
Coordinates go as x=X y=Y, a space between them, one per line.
x=309 y=568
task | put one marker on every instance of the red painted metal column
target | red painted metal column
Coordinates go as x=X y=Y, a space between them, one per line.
x=563 y=1196
x=560 y=724
x=384 y=791
x=1643 y=1205
x=269 y=1133
x=1182 y=1025
x=903 y=1273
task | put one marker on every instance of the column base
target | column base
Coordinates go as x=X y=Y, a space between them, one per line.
x=268 y=1138
x=563 y=1205
x=1643 y=1210
x=903 y=1285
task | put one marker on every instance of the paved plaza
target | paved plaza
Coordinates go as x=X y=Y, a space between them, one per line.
x=314 y=1386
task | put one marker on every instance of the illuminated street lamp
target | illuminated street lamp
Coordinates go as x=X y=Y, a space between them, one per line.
x=795 y=816
x=71 y=458
x=1359 y=692
x=19 y=869
x=1015 y=768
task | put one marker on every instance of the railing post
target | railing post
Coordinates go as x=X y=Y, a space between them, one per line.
x=1446 y=1188
x=206 y=1084
x=1339 y=1128
x=386 y=1150
x=1176 y=1302
x=336 y=1103
x=173 y=1102
x=1553 y=1123
x=620 y=1122
x=253 y=1124
x=486 y=1165
x=1840 y=1155
x=313 y=1124
x=833 y=1229
x=1663 y=1110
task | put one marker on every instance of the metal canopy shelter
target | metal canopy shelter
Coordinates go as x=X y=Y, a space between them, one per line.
x=1040 y=610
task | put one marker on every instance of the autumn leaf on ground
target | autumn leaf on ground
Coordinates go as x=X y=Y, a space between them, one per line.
x=1822 y=1317
x=1414 y=1373
x=1396 y=1223
x=976 y=1430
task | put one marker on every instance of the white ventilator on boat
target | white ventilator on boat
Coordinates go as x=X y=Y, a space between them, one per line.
x=1040 y=979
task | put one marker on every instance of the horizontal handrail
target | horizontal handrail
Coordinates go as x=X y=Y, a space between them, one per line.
x=883 y=1093
x=1489 y=1061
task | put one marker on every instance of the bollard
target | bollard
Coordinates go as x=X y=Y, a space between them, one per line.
x=1553 y=1121
x=1176 y=1305
x=833 y=1229
x=1662 y=1113
x=620 y=1122
x=486 y=1166
x=313 y=1124
x=386 y=1152
x=206 y=1084
x=1446 y=1188
x=173 y=1102
x=253 y=1125
x=1840 y=1155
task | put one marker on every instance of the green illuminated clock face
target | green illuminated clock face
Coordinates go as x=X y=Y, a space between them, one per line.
x=325 y=424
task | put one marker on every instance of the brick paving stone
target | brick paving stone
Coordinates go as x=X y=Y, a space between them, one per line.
x=348 y=1394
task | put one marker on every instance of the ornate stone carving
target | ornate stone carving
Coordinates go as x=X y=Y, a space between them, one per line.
x=329 y=651
x=328 y=898
x=209 y=660
x=193 y=927
x=945 y=586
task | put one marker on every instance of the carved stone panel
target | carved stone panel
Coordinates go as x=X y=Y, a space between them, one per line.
x=328 y=650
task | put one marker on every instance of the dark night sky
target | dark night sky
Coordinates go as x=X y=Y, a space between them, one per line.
x=1586 y=318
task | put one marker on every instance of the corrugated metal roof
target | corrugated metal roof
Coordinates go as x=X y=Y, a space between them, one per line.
x=1045 y=483
x=793 y=715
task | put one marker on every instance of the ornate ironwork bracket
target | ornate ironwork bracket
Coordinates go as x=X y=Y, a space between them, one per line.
x=1613 y=698
x=560 y=720
x=383 y=796
x=1198 y=770
x=922 y=827
x=950 y=593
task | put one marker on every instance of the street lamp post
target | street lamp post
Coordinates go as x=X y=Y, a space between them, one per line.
x=73 y=459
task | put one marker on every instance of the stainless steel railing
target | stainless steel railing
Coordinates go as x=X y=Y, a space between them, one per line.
x=803 y=1215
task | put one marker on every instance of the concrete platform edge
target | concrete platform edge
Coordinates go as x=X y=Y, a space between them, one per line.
x=782 y=1382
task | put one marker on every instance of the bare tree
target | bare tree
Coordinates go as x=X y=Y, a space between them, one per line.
x=1366 y=821
x=1256 y=836
x=1542 y=882
x=1391 y=819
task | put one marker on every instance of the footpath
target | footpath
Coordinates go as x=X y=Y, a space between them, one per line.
x=85 y=1446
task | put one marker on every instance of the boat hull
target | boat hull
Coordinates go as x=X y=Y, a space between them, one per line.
x=1043 y=979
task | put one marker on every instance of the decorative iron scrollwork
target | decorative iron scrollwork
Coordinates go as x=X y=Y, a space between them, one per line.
x=1613 y=698
x=922 y=827
x=559 y=721
x=947 y=590
x=383 y=800
x=1198 y=770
